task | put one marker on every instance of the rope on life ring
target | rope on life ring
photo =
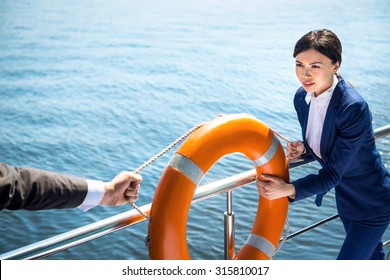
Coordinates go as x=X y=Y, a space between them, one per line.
x=236 y=133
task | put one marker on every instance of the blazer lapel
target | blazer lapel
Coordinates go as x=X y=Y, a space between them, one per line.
x=304 y=112
x=305 y=117
x=329 y=121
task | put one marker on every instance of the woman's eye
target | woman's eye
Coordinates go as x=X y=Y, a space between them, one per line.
x=298 y=64
x=315 y=66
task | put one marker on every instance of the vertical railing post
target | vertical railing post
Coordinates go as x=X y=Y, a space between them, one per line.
x=229 y=227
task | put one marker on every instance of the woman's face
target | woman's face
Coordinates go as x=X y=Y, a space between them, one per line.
x=315 y=71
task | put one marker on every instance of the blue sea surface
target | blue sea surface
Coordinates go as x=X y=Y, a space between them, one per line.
x=91 y=88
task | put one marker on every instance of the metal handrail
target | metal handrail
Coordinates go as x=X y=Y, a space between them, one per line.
x=112 y=224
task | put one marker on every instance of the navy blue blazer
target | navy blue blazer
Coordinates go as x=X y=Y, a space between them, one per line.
x=350 y=161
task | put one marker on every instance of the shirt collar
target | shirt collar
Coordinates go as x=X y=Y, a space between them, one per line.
x=325 y=95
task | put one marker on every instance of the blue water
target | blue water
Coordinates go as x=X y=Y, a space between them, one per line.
x=92 y=88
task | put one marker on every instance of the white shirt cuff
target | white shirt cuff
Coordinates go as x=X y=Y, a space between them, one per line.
x=94 y=195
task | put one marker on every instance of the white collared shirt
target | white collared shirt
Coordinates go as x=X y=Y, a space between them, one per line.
x=317 y=113
x=94 y=195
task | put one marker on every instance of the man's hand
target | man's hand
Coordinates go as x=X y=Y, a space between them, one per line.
x=124 y=188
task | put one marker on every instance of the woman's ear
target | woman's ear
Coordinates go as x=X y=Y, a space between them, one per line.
x=336 y=67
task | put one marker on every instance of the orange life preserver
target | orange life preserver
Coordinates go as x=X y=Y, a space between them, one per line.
x=237 y=133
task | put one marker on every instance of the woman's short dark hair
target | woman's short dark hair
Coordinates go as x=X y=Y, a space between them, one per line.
x=323 y=41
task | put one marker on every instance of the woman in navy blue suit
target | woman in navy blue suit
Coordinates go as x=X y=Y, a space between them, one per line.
x=337 y=131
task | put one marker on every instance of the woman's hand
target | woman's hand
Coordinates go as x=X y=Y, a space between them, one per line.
x=272 y=187
x=295 y=149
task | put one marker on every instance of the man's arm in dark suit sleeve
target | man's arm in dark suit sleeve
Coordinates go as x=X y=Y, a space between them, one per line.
x=34 y=189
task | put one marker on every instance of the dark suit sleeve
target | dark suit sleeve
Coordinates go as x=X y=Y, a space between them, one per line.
x=34 y=189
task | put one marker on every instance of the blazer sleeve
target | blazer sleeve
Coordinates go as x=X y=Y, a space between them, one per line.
x=34 y=189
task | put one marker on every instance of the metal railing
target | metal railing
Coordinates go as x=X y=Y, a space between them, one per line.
x=106 y=226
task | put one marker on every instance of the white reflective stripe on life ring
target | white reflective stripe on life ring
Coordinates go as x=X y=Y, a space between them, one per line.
x=261 y=244
x=269 y=154
x=187 y=167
